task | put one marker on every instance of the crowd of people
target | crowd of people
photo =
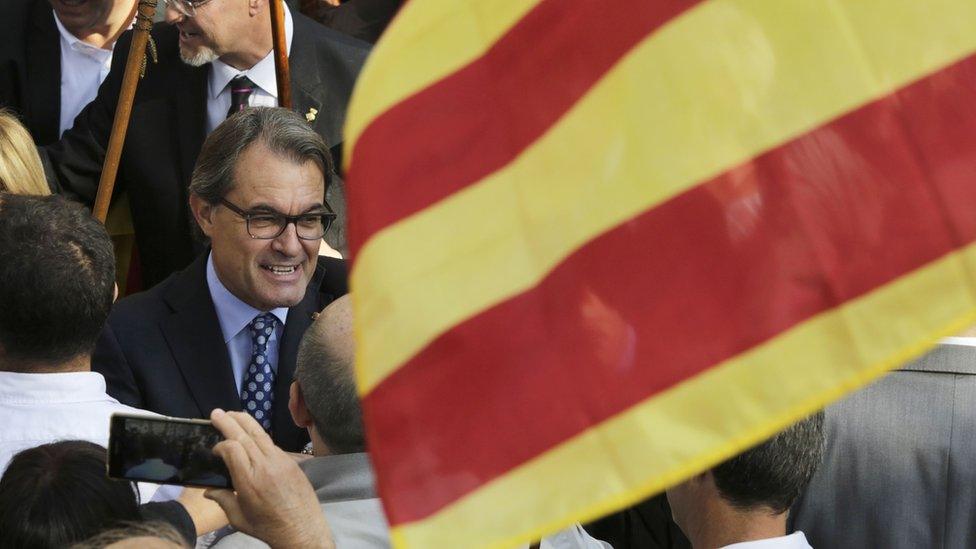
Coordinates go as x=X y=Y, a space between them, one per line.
x=236 y=309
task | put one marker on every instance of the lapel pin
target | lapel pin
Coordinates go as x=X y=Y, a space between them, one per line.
x=310 y=115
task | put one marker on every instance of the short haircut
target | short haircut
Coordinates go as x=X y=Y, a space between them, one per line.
x=57 y=279
x=324 y=373
x=20 y=165
x=58 y=494
x=149 y=529
x=284 y=133
x=774 y=473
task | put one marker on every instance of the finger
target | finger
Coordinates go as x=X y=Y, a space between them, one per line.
x=238 y=464
x=228 y=425
x=255 y=431
x=227 y=501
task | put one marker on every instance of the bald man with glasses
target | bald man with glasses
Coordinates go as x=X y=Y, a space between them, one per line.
x=224 y=332
x=214 y=59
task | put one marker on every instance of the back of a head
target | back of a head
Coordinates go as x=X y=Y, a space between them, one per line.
x=57 y=494
x=57 y=281
x=136 y=535
x=325 y=375
x=20 y=166
x=773 y=474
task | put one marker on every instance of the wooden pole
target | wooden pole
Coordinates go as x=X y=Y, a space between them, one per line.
x=282 y=72
x=134 y=66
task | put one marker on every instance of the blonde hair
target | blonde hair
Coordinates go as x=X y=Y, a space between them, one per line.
x=20 y=165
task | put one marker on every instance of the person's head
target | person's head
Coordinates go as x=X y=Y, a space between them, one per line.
x=323 y=396
x=82 y=17
x=763 y=481
x=20 y=165
x=57 y=282
x=57 y=494
x=136 y=535
x=258 y=165
x=238 y=32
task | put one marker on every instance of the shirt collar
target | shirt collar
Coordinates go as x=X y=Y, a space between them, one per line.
x=262 y=73
x=20 y=388
x=796 y=540
x=232 y=313
x=79 y=45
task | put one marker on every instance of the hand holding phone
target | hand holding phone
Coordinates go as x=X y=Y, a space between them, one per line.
x=165 y=450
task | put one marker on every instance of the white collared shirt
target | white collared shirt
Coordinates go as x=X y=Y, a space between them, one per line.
x=83 y=68
x=265 y=92
x=43 y=408
x=796 y=540
x=234 y=317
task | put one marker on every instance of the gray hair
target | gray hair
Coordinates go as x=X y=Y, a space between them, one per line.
x=324 y=373
x=284 y=132
x=774 y=473
x=129 y=530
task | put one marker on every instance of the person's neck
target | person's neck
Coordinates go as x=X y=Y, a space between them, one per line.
x=77 y=364
x=104 y=34
x=254 y=49
x=319 y=448
x=720 y=524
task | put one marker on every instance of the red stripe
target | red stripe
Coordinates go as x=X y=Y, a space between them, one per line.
x=705 y=276
x=448 y=136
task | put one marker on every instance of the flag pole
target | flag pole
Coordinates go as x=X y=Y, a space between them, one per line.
x=282 y=72
x=135 y=66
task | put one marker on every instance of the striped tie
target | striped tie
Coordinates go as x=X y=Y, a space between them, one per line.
x=240 y=90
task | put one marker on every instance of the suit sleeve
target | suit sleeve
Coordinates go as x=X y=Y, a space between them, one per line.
x=109 y=360
x=73 y=165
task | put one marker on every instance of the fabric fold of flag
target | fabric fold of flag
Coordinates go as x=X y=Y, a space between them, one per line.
x=598 y=249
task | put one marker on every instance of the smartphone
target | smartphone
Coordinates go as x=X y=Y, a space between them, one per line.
x=165 y=450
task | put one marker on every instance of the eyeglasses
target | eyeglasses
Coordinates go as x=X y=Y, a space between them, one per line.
x=187 y=7
x=269 y=225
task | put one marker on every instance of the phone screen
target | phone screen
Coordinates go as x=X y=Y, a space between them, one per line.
x=166 y=450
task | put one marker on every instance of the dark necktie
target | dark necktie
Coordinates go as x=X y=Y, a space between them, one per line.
x=257 y=391
x=240 y=90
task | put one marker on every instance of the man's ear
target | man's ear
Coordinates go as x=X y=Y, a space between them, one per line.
x=255 y=7
x=296 y=405
x=203 y=212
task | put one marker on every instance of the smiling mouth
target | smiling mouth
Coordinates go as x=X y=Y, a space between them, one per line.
x=184 y=34
x=281 y=269
x=73 y=3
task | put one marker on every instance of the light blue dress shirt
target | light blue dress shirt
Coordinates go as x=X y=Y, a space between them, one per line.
x=234 y=317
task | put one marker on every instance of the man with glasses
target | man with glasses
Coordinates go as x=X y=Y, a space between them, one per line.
x=224 y=332
x=214 y=59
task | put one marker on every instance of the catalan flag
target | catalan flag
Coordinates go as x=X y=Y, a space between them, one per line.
x=602 y=246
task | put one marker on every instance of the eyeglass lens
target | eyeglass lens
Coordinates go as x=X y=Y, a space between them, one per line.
x=308 y=227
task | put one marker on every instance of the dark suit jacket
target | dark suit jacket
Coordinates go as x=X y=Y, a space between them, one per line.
x=362 y=19
x=30 y=66
x=168 y=126
x=901 y=460
x=162 y=350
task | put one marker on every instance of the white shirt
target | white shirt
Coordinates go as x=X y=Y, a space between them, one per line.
x=42 y=408
x=265 y=92
x=235 y=317
x=796 y=540
x=83 y=68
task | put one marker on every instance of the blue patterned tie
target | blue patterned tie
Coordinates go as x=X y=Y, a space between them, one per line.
x=257 y=391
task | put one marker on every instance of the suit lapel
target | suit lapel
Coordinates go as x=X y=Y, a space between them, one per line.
x=44 y=79
x=299 y=319
x=191 y=114
x=306 y=81
x=194 y=338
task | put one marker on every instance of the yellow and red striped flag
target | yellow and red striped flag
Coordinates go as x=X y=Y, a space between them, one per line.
x=602 y=246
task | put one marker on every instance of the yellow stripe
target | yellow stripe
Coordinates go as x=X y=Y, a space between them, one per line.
x=714 y=88
x=428 y=40
x=703 y=421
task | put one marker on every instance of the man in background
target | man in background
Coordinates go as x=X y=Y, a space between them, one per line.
x=745 y=501
x=53 y=57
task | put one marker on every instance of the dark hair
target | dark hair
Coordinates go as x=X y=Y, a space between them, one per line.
x=57 y=494
x=281 y=130
x=325 y=375
x=57 y=277
x=774 y=473
x=129 y=530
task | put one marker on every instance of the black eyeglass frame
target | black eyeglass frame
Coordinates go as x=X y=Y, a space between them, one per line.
x=327 y=217
x=186 y=7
